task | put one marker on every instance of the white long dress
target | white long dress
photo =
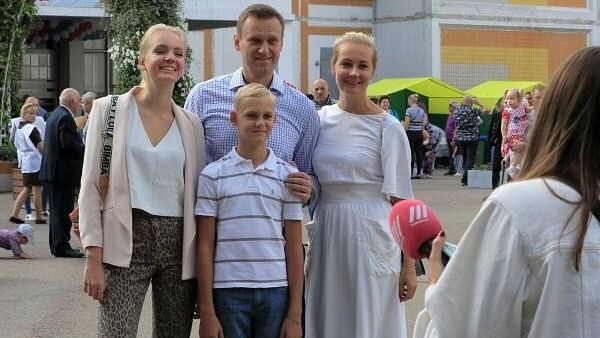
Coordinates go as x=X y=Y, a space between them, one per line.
x=353 y=264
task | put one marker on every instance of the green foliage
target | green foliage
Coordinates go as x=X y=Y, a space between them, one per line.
x=16 y=17
x=129 y=20
x=8 y=152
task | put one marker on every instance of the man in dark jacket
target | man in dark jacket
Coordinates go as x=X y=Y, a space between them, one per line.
x=61 y=170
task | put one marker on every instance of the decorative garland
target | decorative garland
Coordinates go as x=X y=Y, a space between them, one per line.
x=69 y=30
x=129 y=21
x=15 y=20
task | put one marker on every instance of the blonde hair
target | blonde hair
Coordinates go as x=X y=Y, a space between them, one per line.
x=358 y=38
x=252 y=90
x=32 y=99
x=28 y=107
x=413 y=98
x=145 y=41
x=518 y=92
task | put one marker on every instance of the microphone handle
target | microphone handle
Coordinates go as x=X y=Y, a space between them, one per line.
x=425 y=249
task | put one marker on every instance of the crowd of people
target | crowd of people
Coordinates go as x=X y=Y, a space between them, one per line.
x=50 y=152
x=204 y=202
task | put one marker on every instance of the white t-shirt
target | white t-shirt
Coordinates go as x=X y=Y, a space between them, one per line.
x=513 y=274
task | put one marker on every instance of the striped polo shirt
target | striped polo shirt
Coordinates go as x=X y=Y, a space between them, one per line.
x=250 y=205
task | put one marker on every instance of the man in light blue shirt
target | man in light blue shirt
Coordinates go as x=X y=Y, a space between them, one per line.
x=259 y=39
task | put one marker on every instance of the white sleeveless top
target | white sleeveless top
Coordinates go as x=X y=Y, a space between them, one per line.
x=155 y=172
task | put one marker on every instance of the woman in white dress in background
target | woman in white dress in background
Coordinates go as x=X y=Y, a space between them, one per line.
x=355 y=282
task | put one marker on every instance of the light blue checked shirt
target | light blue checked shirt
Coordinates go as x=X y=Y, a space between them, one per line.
x=293 y=138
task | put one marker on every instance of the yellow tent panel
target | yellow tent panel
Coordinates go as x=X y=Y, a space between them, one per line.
x=490 y=91
x=437 y=92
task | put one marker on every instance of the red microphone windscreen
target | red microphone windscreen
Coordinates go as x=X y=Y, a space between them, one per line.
x=413 y=223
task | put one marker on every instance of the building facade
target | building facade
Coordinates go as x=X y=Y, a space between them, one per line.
x=461 y=42
x=468 y=42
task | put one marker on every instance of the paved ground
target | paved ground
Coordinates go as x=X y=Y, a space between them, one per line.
x=42 y=297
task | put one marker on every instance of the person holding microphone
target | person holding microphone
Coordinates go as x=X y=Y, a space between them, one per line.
x=528 y=265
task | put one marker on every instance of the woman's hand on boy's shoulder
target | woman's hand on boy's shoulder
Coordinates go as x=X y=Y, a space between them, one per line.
x=300 y=185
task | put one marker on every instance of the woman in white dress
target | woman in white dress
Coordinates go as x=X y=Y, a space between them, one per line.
x=355 y=282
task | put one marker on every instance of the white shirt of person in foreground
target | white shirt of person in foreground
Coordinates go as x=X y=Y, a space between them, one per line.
x=529 y=263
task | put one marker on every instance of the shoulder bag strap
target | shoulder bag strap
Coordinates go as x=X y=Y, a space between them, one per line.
x=107 y=136
x=107 y=140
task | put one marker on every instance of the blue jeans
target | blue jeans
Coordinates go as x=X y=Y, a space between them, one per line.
x=246 y=312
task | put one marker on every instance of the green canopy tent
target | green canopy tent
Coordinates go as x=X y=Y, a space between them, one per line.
x=434 y=93
x=489 y=92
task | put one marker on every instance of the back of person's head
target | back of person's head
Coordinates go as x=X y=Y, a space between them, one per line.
x=467 y=100
x=259 y=11
x=28 y=108
x=69 y=96
x=31 y=99
x=564 y=143
x=500 y=103
x=358 y=38
x=255 y=90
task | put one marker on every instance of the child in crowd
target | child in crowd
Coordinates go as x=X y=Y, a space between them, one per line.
x=250 y=258
x=513 y=127
x=430 y=146
x=13 y=239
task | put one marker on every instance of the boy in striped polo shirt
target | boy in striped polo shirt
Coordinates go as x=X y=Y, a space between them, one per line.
x=249 y=270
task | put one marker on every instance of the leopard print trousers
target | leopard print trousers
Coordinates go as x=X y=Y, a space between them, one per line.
x=156 y=259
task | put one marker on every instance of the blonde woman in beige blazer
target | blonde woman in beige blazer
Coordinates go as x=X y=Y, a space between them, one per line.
x=143 y=231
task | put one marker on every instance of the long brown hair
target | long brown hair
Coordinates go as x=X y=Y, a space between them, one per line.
x=565 y=142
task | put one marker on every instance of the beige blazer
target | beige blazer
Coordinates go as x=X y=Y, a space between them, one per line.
x=109 y=225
